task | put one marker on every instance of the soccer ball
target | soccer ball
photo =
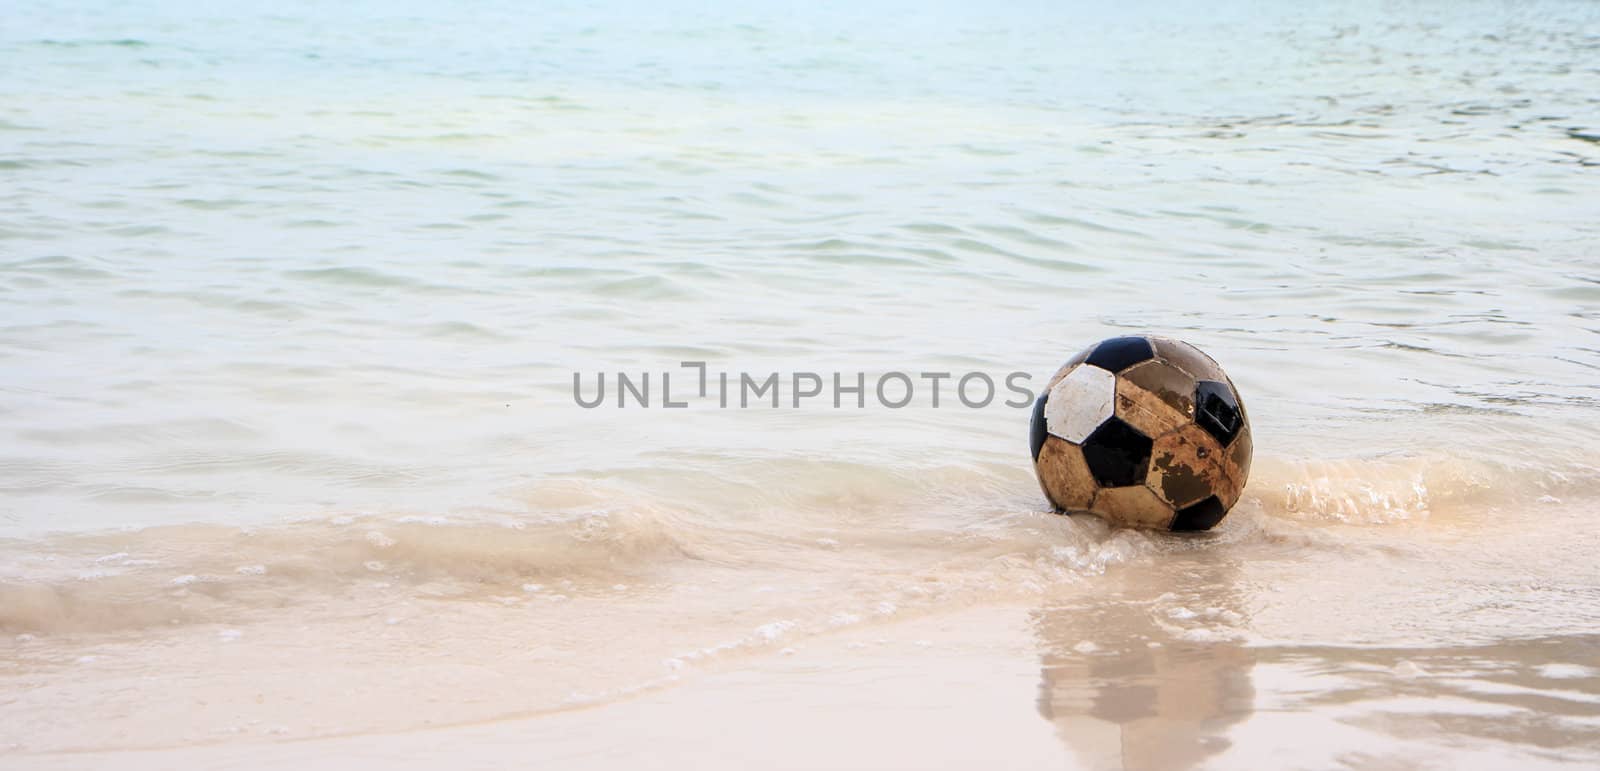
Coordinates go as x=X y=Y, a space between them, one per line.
x=1144 y=431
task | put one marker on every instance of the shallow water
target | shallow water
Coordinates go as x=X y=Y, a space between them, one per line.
x=291 y=299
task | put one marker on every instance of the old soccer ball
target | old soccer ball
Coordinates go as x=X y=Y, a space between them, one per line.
x=1144 y=431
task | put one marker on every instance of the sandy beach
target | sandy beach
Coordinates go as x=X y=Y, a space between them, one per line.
x=318 y=324
x=1200 y=654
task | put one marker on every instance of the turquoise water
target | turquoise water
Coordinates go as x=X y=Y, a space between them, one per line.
x=327 y=270
x=285 y=258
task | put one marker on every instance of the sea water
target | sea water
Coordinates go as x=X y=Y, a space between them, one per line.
x=292 y=298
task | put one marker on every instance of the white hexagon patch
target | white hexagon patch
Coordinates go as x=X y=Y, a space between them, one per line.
x=1080 y=403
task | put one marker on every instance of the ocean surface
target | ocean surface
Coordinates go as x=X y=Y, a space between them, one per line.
x=292 y=296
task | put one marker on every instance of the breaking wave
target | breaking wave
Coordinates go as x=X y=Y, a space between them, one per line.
x=980 y=532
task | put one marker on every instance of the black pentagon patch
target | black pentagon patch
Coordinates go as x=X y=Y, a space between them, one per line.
x=1216 y=409
x=1117 y=454
x=1036 y=428
x=1119 y=353
x=1201 y=516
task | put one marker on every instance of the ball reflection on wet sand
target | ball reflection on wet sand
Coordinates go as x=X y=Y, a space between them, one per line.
x=1134 y=679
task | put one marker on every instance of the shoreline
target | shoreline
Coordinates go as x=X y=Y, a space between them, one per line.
x=1270 y=646
x=963 y=689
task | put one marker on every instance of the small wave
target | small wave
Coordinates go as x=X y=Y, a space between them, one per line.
x=1026 y=236
x=1417 y=487
x=208 y=574
x=113 y=43
x=213 y=298
x=213 y=204
x=472 y=174
x=353 y=276
x=58 y=266
x=649 y=287
x=460 y=330
x=917 y=538
x=976 y=246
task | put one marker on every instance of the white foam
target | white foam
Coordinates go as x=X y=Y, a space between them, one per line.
x=774 y=630
x=1208 y=634
x=1407 y=669
x=1566 y=671
x=431 y=520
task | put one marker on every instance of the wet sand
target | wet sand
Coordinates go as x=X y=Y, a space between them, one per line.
x=1246 y=649
x=969 y=690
